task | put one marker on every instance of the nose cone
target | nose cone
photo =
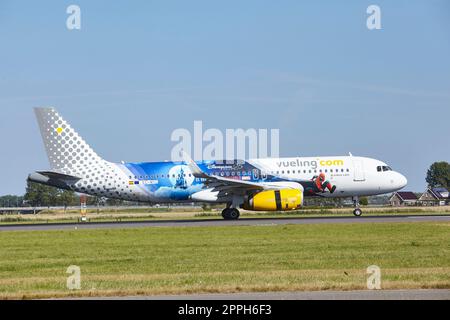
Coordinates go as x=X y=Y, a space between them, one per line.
x=402 y=181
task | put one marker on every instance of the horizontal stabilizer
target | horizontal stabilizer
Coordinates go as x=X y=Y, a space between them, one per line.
x=54 y=178
x=54 y=175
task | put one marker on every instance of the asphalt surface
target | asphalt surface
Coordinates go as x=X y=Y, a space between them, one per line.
x=428 y=294
x=220 y=222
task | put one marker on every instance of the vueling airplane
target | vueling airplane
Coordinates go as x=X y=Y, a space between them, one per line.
x=258 y=184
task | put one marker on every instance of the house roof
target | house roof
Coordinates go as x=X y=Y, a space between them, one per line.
x=440 y=193
x=407 y=195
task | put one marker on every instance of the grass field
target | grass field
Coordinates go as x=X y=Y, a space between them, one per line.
x=224 y=259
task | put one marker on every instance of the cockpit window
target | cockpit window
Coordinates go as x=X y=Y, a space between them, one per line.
x=383 y=168
x=379 y=169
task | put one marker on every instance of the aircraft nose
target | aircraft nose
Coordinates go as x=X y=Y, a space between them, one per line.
x=402 y=181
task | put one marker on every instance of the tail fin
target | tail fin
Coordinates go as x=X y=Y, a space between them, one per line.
x=66 y=150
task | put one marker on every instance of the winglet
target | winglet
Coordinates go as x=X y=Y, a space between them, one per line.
x=196 y=171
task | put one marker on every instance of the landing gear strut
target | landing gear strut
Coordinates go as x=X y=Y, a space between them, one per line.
x=357 y=212
x=230 y=214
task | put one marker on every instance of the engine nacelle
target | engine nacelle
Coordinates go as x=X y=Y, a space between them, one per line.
x=207 y=195
x=275 y=200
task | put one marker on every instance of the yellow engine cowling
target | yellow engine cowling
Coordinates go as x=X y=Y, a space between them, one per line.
x=275 y=200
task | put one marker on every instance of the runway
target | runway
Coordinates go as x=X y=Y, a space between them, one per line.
x=219 y=222
x=416 y=294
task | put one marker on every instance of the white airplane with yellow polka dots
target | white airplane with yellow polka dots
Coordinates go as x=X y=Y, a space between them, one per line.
x=270 y=184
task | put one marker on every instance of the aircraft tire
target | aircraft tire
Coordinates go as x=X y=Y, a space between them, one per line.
x=234 y=214
x=230 y=214
x=357 y=212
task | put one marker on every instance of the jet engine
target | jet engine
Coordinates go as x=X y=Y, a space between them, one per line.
x=275 y=200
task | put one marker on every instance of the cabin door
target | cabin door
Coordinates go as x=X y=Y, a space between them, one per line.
x=358 y=169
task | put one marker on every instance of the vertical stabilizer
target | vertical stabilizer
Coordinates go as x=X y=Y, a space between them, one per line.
x=66 y=150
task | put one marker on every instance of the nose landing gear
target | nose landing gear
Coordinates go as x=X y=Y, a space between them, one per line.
x=357 y=212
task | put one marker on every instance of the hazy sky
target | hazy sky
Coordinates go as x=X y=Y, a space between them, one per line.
x=137 y=70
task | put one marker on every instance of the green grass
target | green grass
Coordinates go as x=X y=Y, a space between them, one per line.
x=166 y=260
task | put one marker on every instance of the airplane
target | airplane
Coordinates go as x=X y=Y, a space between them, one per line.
x=269 y=184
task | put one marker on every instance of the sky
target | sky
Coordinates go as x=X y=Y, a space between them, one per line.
x=137 y=70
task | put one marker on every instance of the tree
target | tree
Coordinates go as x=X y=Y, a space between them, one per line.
x=439 y=175
x=38 y=195
x=364 y=201
x=11 y=201
x=67 y=198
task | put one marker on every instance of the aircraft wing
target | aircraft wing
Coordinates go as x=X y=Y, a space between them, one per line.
x=220 y=183
x=224 y=185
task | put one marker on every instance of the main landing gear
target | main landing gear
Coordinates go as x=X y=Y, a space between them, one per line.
x=357 y=212
x=230 y=214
